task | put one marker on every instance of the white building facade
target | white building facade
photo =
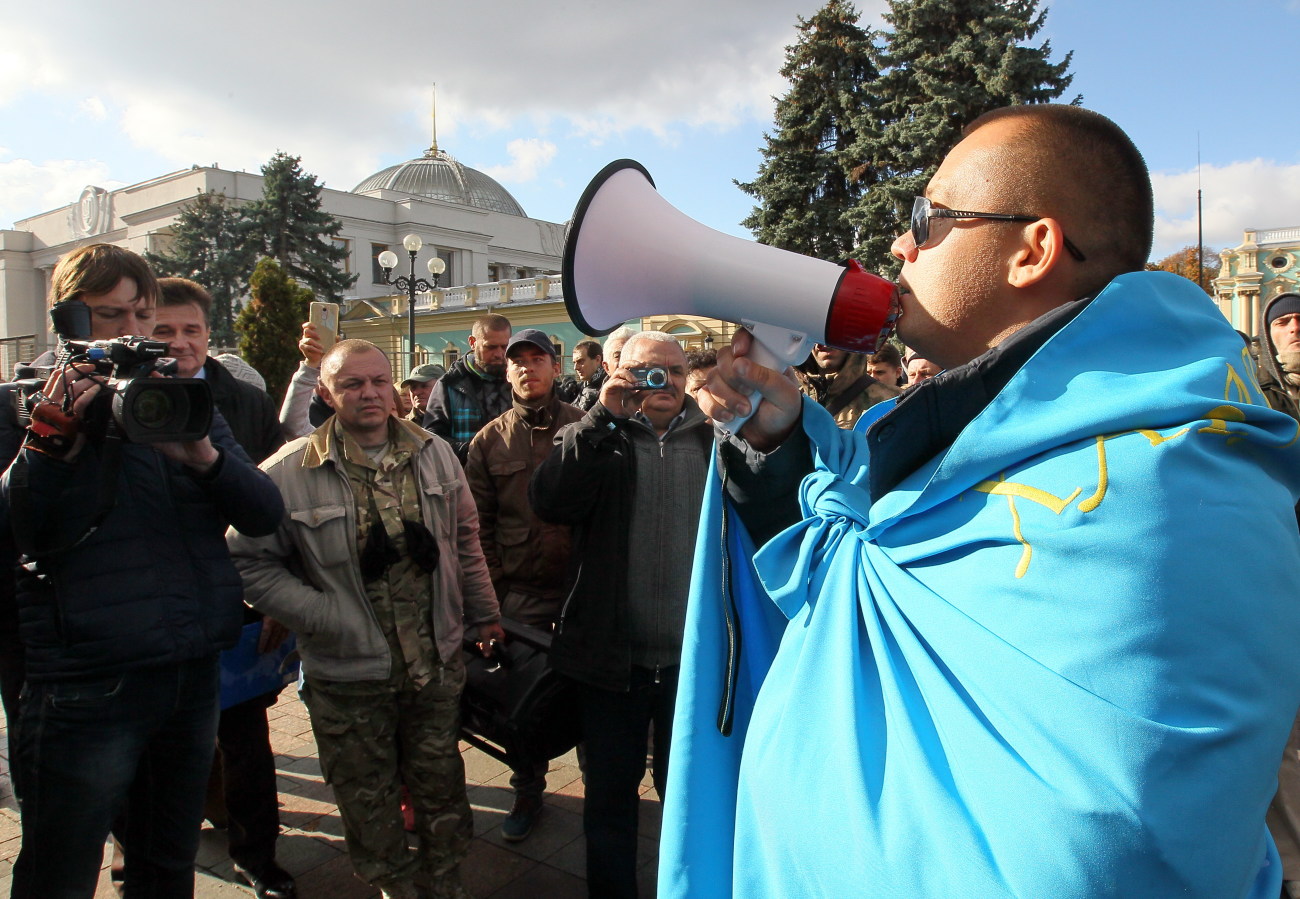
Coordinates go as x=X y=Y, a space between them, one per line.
x=464 y=216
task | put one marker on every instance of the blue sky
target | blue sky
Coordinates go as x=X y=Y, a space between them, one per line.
x=541 y=96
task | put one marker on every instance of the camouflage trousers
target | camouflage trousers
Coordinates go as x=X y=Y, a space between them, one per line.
x=375 y=736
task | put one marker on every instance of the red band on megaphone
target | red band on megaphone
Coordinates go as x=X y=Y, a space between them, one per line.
x=862 y=314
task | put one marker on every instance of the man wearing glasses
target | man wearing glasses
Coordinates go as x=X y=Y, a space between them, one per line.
x=988 y=616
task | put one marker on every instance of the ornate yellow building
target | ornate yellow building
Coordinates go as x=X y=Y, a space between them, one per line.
x=1266 y=264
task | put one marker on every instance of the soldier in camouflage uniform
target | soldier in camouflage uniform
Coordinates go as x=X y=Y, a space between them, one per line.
x=375 y=566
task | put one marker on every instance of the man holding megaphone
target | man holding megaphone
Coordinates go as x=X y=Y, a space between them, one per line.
x=975 y=653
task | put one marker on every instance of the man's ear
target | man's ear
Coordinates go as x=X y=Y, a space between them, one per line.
x=1040 y=251
x=323 y=392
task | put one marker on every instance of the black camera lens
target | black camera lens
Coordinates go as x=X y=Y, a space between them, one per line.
x=156 y=408
x=648 y=378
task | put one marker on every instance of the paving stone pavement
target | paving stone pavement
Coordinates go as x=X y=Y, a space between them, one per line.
x=550 y=864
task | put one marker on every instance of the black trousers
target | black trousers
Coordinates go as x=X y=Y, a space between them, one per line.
x=248 y=773
x=615 y=729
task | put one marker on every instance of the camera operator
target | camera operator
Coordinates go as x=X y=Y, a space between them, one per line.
x=119 y=310
x=125 y=596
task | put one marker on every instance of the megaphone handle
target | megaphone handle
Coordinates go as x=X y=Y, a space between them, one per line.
x=760 y=353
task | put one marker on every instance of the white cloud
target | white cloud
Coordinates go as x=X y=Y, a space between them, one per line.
x=25 y=65
x=527 y=158
x=590 y=68
x=1256 y=193
x=93 y=108
x=571 y=71
x=25 y=186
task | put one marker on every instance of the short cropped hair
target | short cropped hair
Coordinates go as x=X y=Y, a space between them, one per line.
x=490 y=322
x=657 y=336
x=334 y=356
x=887 y=355
x=653 y=337
x=182 y=292
x=96 y=268
x=590 y=348
x=1079 y=167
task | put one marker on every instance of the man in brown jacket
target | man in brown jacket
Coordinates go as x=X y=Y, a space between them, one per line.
x=526 y=557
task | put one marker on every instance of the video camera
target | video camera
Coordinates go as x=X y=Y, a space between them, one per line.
x=139 y=408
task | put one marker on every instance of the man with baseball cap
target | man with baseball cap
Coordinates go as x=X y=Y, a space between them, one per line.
x=419 y=384
x=526 y=556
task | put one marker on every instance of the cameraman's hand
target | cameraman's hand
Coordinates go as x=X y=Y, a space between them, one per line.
x=728 y=388
x=200 y=455
x=619 y=395
x=80 y=382
x=75 y=386
x=310 y=345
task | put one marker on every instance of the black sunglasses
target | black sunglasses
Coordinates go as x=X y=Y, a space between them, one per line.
x=922 y=212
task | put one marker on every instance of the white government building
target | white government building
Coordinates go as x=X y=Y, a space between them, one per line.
x=471 y=221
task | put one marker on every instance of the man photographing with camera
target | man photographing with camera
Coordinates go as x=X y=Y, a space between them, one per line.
x=125 y=596
x=628 y=478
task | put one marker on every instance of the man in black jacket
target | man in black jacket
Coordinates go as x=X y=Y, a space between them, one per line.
x=125 y=599
x=629 y=479
x=589 y=367
x=245 y=764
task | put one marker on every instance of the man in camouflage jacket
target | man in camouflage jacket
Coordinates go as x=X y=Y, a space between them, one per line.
x=375 y=565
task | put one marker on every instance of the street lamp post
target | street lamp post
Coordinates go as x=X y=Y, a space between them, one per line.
x=411 y=284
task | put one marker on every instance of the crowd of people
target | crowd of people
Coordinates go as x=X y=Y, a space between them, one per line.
x=966 y=619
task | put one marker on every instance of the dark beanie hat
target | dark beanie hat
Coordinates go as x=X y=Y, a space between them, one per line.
x=1283 y=304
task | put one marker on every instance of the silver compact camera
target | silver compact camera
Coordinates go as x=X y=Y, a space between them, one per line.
x=648 y=378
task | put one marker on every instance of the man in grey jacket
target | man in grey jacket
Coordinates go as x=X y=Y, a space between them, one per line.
x=375 y=566
x=629 y=480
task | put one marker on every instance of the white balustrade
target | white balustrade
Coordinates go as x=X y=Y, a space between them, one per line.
x=548 y=288
x=1278 y=235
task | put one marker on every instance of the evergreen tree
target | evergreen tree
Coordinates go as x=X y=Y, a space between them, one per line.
x=209 y=246
x=290 y=227
x=804 y=187
x=270 y=324
x=944 y=64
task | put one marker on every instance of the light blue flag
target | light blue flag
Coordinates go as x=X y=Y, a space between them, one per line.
x=1059 y=660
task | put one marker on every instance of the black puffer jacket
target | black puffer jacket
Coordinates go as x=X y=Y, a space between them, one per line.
x=590 y=393
x=251 y=413
x=589 y=483
x=153 y=584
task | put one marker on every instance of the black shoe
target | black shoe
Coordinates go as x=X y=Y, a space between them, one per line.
x=268 y=880
x=522 y=818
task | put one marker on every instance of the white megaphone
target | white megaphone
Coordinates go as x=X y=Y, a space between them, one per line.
x=629 y=253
